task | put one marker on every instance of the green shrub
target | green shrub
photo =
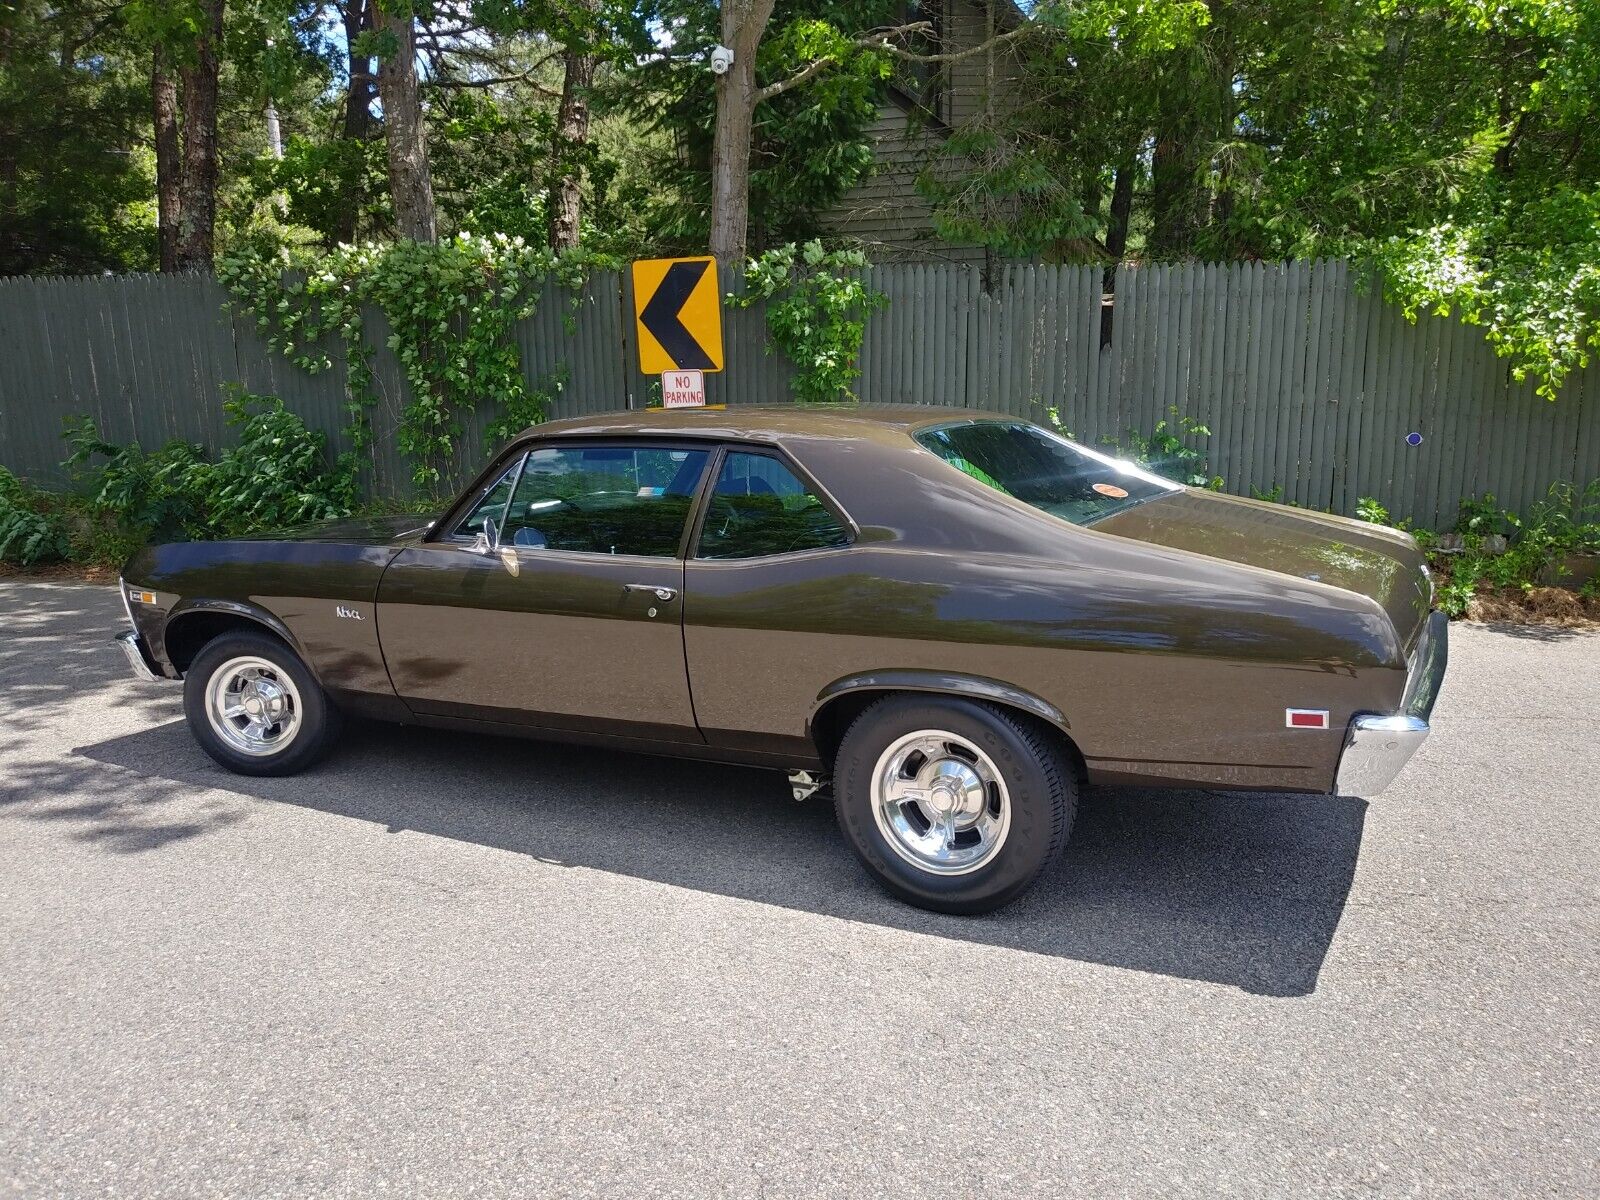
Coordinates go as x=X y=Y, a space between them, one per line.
x=1455 y=595
x=141 y=495
x=28 y=536
x=1368 y=509
x=1566 y=521
x=1480 y=517
x=277 y=476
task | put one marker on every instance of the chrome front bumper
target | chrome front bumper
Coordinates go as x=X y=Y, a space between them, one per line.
x=1378 y=745
x=139 y=661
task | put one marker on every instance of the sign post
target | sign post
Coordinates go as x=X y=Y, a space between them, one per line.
x=678 y=314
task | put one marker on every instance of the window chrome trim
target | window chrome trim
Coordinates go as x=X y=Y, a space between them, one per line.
x=455 y=534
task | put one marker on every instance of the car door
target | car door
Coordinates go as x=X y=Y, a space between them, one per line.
x=776 y=601
x=575 y=622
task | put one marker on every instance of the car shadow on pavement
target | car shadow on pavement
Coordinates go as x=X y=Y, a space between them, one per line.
x=1237 y=889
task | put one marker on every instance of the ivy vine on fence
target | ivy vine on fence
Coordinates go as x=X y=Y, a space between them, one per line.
x=817 y=309
x=450 y=308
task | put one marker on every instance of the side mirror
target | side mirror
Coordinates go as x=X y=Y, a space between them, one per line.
x=488 y=539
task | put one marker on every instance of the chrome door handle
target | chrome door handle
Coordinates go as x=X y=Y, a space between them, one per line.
x=660 y=593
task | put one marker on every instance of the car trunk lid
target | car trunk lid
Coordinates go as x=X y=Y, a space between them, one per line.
x=1371 y=560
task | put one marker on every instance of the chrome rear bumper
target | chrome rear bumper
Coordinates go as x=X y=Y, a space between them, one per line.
x=1378 y=745
x=139 y=661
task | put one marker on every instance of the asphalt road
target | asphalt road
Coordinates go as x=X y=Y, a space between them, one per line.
x=452 y=966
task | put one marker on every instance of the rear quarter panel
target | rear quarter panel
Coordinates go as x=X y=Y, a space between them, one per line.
x=1167 y=666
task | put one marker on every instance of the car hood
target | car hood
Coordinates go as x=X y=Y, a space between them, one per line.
x=361 y=531
x=1370 y=560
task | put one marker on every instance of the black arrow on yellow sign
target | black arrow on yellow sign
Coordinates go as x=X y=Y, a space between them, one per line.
x=660 y=316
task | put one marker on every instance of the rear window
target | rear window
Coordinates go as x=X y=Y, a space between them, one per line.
x=1043 y=469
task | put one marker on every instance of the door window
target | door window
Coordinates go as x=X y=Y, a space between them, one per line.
x=760 y=507
x=604 y=499
x=493 y=505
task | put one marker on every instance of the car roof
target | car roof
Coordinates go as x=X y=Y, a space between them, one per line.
x=762 y=423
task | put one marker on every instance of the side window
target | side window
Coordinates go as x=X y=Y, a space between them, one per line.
x=604 y=499
x=759 y=507
x=493 y=504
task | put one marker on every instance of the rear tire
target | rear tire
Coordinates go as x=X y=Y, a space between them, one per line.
x=255 y=707
x=953 y=805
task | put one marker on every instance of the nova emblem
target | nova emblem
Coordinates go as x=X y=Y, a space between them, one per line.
x=348 y=614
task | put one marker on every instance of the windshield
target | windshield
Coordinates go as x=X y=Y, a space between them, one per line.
x=1040 y=468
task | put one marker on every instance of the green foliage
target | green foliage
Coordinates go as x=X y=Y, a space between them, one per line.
x=1479 y=517
x=29 y=535
x=1368 y=509
x=76 y=178
x=531 y=407
x=1528 y=273
x=1566 y=521
x=1450 y=143
x=809 y=145
x=143 y=495
x=1455 y=595
x=1514 y=244
x=322 y=182
x=817 y=309
x=450 y=308
x=276 y=477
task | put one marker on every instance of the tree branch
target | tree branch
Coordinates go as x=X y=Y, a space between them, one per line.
x=885 y=40
x=994 y=43
x=524 y=77
x=795 y=80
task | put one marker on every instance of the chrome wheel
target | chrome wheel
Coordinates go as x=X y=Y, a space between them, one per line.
x=940 y=802
x=253 y=706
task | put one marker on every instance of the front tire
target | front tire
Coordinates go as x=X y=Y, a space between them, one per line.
x=953 y=805
x=255 y=707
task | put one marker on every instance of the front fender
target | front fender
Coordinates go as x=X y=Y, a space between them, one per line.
x=190 y=608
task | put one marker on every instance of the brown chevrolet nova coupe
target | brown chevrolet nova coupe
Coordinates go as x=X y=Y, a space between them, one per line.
x=955 y=620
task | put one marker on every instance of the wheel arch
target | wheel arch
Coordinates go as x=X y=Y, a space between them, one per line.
x=841 y=702
x=194 y=623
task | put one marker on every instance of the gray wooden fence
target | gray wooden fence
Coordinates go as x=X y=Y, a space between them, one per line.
x=1308 y=381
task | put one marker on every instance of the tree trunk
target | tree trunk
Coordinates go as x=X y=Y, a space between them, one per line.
x=169 y=165
x=571 y=136
x=1196 y=117
x=743 y=24
x=357 y=18
x=990 y=258
x=1121 y=210
x=1173 y=200
x=197 y=191
x=410 y=180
